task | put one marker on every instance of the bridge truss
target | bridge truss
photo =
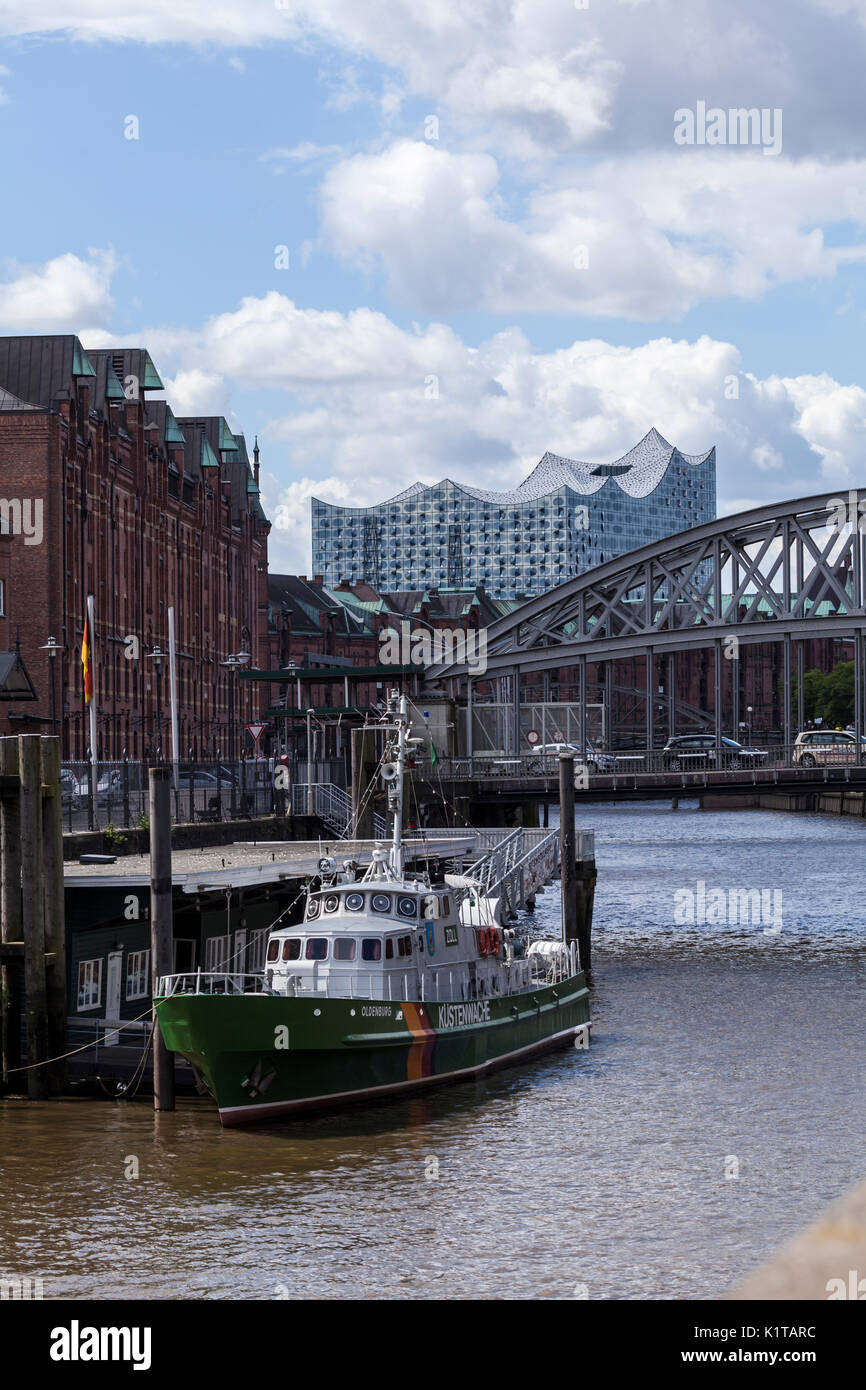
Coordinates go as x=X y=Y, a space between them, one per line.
x=788 y=572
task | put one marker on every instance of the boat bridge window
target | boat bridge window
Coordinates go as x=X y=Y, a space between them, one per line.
x=371 y=948
x=317 y=948
x=389 y=948
x=273 y=949
x=344 y=948
x=292 y=948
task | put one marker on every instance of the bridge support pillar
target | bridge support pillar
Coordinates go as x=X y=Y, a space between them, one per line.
x=717 y=698
x=672 y=694
x=788 y=737
x=858 y=691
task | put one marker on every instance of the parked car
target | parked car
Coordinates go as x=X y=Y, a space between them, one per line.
x=698 y=751
x=822 y=746
x=593 y=759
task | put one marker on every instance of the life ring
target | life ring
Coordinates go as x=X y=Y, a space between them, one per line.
x=494 y=942
x=483 y=941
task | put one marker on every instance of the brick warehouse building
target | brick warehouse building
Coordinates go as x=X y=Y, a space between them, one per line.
x=142 y=510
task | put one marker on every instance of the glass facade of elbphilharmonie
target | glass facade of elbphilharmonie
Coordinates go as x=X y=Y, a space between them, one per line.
x=566 y=517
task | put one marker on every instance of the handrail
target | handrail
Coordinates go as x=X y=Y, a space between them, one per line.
x=523 y=974
x=334 y=807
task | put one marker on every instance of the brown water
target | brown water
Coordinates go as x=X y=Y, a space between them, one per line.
x=602 y=1171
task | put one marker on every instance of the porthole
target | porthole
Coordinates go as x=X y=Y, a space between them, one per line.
x=332 y=902
x=381 y=902
x=407 y=907
x=313 y=907
x=354 y=901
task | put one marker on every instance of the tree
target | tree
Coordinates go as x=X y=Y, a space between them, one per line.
x=829 y=698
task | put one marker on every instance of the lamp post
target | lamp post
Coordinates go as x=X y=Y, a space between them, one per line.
x=749 y=724
x=233 y=663
x=156 y=657
x=52 y=648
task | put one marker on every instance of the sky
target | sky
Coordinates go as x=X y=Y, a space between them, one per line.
x=417 y=239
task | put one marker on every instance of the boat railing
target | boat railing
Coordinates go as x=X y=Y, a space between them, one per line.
x=427 y=986
x=210 y=982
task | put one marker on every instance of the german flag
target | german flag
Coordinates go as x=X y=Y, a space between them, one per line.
x=87 y=664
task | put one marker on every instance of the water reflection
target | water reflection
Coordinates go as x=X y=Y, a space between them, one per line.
x=604 y=1169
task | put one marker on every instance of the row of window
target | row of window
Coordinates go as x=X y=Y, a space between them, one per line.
x=90 y=979
x=343 y=948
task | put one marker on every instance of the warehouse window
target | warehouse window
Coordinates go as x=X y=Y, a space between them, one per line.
x=89 y=984
x=137 y=974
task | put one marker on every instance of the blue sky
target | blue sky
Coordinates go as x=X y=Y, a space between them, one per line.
x=447 y=253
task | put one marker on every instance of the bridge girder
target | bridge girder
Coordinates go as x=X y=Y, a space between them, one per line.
x=758 y=576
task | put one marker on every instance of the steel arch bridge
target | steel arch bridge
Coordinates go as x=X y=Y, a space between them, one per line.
x=785 y=572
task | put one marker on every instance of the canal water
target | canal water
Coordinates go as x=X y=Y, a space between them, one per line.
x=720 y=1106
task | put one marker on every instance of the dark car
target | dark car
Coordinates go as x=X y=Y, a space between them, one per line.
x=698 y=751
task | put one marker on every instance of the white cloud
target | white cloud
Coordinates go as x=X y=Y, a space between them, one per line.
x=370 y=407
x=193 y=391
x=65 y=294
x=537 y=77
x=288 y=508
x=305 y=155
x=643 y=237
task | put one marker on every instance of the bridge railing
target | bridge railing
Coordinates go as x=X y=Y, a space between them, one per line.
x=758 y=762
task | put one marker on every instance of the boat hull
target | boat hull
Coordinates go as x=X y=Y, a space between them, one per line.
x=266 y=1056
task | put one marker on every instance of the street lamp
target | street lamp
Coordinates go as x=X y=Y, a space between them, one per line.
x=233 y=663
x=749 y=724
x=156 y=656
x=52 y=648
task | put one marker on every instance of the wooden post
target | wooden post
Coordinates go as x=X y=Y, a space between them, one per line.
x=161 y=925
x=55 y=916
x=586 y=877
x=32 y=913
x=10 y=911
x=567 y=848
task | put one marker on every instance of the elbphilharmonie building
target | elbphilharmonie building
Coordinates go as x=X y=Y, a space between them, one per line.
x=564 y=518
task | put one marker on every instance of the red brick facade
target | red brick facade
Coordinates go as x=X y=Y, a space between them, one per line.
x=142 y=511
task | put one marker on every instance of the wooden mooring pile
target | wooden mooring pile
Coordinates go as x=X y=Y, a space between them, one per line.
x=32 y=930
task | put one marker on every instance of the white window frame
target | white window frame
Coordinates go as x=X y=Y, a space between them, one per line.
x=256 y=947
x=85 y=987
x=137 y=975
x=218 y=951
x=2 y=598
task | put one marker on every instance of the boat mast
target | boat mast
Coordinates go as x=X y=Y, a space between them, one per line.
x=402 y=723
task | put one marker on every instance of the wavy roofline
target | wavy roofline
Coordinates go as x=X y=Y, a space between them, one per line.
x=637 y=473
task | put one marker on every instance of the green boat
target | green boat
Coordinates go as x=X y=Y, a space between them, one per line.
x=391 y=983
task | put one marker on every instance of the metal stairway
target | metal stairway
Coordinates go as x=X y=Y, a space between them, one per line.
x=333 y=807
x=514 y=870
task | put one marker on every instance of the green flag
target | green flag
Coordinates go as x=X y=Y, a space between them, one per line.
x=434 y=756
